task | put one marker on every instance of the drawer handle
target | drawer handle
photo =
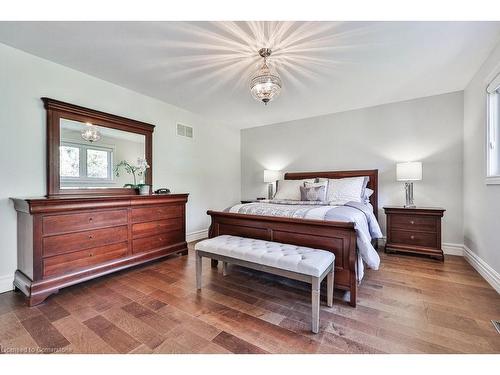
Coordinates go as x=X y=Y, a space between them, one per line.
x=90 y=254
x=90 y=237
x=412 y=222
x=90 y=219
x=412 y=237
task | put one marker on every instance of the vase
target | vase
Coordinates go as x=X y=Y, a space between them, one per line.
x=145 y=189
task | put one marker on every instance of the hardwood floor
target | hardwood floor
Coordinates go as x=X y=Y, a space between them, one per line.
x=411 y=305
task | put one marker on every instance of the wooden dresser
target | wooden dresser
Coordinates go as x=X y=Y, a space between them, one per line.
x=414 y=230
x=66 y=240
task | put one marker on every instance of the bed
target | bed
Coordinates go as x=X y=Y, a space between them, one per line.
x=342 y=237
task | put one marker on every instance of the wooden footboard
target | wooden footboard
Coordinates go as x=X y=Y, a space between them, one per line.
x=337 y=237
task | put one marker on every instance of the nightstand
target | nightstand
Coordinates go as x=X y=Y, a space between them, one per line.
x=414 y=230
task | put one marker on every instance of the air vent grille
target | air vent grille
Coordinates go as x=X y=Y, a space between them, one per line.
x=496 y=324
x=184 y=131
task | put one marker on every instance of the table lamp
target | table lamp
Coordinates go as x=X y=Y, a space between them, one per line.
x=409 y=172
x=271 y=177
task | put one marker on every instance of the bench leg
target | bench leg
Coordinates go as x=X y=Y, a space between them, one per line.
x=329 y=287
x=198 y=271
x=224 y=269
x=315 y=296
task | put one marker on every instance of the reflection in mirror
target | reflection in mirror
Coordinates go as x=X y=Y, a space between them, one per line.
x=89 y=154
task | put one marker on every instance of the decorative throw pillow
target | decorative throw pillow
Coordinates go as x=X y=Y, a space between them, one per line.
x=343 y=190
x=321 y=183
x=290 y=189
x=313 y=193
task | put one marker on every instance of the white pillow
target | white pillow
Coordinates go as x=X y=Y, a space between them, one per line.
x=343 y=190
x=368 y=193
x=290 y=189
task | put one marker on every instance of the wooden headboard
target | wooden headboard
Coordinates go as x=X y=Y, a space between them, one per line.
x=372 y=183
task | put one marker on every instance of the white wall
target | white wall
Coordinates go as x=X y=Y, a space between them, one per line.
x=427 y=129
x=207 y=167
x=481 y=201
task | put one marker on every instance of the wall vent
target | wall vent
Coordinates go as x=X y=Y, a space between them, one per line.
x=184 y=131
x=496 y=324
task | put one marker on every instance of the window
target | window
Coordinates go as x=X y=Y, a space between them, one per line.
x=88 y=164
x=493 y=133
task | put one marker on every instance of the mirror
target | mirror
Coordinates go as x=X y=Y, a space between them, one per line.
x=92 y=156
x=92 y=152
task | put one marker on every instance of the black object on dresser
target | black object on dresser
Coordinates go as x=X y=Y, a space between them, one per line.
x=414 y=230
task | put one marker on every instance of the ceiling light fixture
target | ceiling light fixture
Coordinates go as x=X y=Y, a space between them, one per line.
x=265 y=84
x=90 y=133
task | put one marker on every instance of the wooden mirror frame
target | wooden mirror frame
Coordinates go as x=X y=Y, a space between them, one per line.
x=57 y=110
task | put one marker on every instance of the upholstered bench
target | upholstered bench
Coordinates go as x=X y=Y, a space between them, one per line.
x=295 y=262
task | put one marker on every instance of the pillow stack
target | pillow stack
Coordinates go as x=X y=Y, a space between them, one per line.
x=333 y=191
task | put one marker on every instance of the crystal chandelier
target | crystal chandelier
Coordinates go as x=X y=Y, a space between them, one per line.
x=265 y=84
x=90 y=133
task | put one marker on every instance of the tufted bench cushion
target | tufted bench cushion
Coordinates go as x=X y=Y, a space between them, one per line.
x=299 y=259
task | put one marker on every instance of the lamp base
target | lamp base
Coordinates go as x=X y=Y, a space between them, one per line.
x=409 y=195
x=270 y=191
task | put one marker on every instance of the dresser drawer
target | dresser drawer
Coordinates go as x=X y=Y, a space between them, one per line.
x=414 y=222
x=151 y=228
x=65 y=243
x=61 y=264
x=141 y=245
x=155 y=213
x=81 y=221
x=411 y=238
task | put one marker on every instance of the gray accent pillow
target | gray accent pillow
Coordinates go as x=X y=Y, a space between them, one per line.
x=313 y=193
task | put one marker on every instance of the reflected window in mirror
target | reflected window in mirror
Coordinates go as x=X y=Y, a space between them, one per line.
x=88 y=154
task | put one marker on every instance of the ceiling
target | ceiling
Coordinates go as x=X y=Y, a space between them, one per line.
x=325 y=67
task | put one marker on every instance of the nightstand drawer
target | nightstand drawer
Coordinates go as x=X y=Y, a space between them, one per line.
x=413 y=238
x=415 y=222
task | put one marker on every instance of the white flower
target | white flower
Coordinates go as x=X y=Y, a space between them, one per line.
x=142 y=164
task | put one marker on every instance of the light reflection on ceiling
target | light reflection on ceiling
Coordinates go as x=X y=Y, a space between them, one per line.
x=325 y=67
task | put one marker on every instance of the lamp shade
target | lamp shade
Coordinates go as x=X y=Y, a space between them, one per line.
x=271 y=176
x=409 y=171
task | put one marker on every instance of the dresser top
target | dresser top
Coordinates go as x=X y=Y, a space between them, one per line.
x=34 y=205
x=98 y=197
x=414 y=208
x=435 y=211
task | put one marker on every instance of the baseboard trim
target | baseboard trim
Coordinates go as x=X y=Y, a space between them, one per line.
x=453 y=249
x=483 y=268
x=6 y=283
x=197 y=235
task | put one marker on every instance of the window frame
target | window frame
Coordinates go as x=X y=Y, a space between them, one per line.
x=493 y=130
x=83 y=178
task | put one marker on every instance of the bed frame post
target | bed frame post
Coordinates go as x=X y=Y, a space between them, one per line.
x=213 y=231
